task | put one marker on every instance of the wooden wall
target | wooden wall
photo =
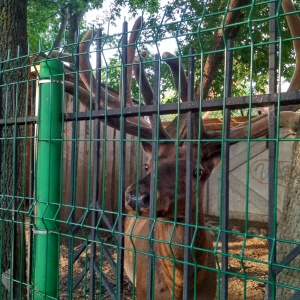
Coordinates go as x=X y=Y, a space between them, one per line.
x=109 y=180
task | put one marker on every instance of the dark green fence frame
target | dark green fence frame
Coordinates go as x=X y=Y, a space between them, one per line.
x=97 y=234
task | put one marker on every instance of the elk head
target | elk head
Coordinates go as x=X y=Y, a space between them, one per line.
x=172 y=160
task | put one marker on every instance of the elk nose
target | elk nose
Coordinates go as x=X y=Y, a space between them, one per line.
x=144 y=200
x=141 y=199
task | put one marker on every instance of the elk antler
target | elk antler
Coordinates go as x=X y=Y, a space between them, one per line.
x=87 y=87
x=259 y=124
x=179 y=77
x=288 y=119
x=294 y=25
x=146 y=90
x=108 y=97
x=210 y=68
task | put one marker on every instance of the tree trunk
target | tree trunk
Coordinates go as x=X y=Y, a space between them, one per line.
x=13 y=21
x=289 y=227
x=63 y=25
x=289 y=223
x=74 y=22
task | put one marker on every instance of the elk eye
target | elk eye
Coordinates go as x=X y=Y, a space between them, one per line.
x=198 y=172
x=146 y=167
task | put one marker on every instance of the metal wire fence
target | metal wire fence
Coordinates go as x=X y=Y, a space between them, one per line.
x=102 y=199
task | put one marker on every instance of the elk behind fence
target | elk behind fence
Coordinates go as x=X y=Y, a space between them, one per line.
x=102 y=198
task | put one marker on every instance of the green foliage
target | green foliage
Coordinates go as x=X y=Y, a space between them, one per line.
x=45 y=17
x=134 y=5
x=38 y=22
x=198 y=23
x=111 y=73
x=189 y=24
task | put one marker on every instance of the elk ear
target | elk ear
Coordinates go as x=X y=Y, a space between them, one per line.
x=209 y=163
x=147 y=149
x=212 y=161
x=215 y=159
x=163 y=149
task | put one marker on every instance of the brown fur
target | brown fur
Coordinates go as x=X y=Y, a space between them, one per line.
x=168 y=235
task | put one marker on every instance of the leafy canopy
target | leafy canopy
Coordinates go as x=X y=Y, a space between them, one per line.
x=187 y=24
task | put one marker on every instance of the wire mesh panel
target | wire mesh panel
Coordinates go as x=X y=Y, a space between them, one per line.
x=148 y=198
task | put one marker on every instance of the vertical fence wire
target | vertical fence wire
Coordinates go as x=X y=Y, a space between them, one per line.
x=2 y=153
x=122 y=156
x=189 y=175
x=14 y=189
x=153 y=182
x=273 y=155
x=226 y=169
x=72 y=182
x=96 y=165
x=31 y=183
x=104 y=251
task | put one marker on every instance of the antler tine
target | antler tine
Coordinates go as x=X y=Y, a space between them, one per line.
x=260 y=126
x=178 y=74
x=132 y=46
x=112 y=96
x=288 y=119
x=130 y=58
x=84 y=64
x=83 y=94
x=86 y=77
x=294 y=25
x=131 y=127
x=68 y=58
x=146 y=90
x=134 y=121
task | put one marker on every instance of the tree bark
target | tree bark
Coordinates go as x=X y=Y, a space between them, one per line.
x=74 y=22
x=289 y=228
x=62 y=27
x=289 y=223
x=13 y=28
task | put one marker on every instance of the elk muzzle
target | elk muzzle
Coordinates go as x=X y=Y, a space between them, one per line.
x=137 y=201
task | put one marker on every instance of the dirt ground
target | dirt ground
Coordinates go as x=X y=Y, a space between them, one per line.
x=248 y=268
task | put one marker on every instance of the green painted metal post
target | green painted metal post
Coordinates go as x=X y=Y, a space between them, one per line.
x=48 y=177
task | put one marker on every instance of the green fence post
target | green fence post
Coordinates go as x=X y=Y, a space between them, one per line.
x=48 y=182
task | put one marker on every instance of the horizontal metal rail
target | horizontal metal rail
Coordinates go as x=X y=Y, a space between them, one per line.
x=287 y=98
